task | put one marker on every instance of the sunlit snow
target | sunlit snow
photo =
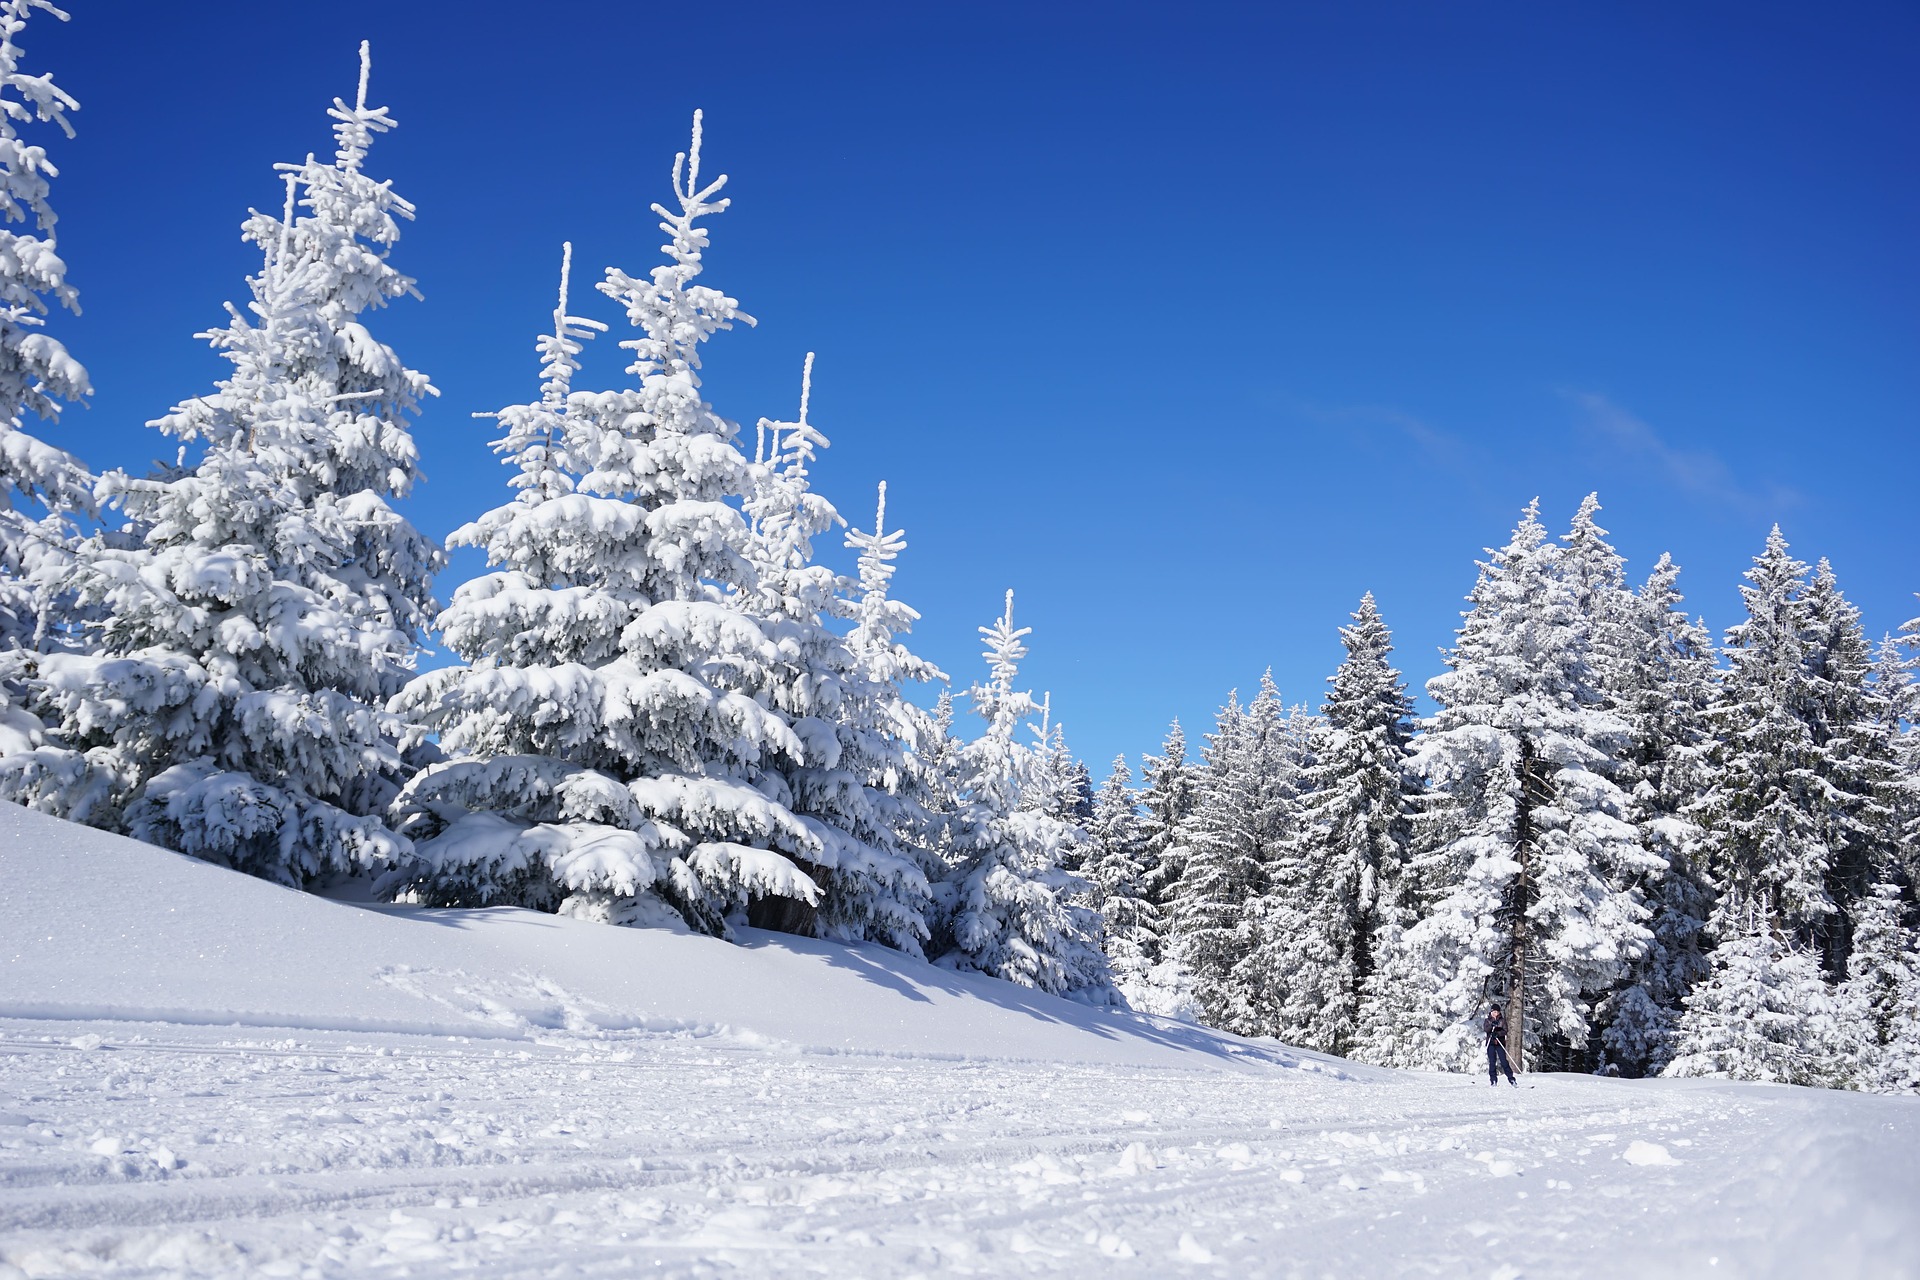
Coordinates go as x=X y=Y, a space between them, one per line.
x=202 y=1072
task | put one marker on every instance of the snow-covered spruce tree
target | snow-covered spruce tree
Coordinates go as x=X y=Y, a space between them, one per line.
x=618 y=751
x=1059 y=784
x=1211 y=924
x=847 y=715
x=1880 y=998
x=1353 y=837
x=1168 y=798
x=1764 y=1012
x=1527 y=847
x=941 y=771
x=1595 y=575
x=1008 y=909
x=895 y=741
x=1894 y=680
x=1858 y=760
x=1664 y=690
x=1079 y=789
x=1115 y=870
x=1765 y=810
x=1273 y=762
x=896 y=747
x=1147 y=966
x=509 y=829
x=41 y=487
x=1779 y=815
x=265 y=599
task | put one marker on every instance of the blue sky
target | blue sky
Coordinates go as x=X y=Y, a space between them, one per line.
x=1190 y=323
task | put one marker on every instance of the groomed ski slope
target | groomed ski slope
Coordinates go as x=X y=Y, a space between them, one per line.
x=202 y=1073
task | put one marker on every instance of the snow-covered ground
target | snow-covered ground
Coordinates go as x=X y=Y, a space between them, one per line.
x=200 y=1072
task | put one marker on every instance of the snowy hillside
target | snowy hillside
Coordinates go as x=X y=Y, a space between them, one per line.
x=206 y=1073
x=158 y=937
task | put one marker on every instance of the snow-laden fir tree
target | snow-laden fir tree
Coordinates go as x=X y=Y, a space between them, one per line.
x=1853 y=732
x=41 y=486
x=1665 y=689
x=1595 y=576
x=1273 y=763
x=1167 y=798
x=1279 y=740
x=895 y=746
x=1079 y=789
x=847 y=713
x=1353 y=839
x=1113 y=862
x=1059 y=785
x=941 y=773
x=1135 y=928
x=1766 y=809
x=1008 y=909
x=614 y=723
x=265 y=599
x=1764 y=1012
x=512 y=828
x=1896 y=664
x=1799 y=812
x=1210 y=923
x=1880 y=998
x=1528 y=849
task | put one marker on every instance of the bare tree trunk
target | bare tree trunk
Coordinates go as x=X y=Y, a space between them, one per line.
x=1530 y=795
x=1517 y=993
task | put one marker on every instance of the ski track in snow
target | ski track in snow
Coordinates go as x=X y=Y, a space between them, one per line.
x=154 y=1150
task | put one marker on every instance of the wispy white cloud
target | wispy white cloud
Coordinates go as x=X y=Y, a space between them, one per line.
x=1697 y=471
x=1438 y=446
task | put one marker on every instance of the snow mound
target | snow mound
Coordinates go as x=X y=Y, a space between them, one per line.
x=95 y=927
x=1640 y=1152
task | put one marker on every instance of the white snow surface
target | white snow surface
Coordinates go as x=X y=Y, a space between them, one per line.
x=202 y=1073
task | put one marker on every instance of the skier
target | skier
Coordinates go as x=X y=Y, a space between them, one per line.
x=1497 y=1059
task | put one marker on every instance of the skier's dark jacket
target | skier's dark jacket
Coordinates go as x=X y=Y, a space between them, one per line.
x=1496 y=1026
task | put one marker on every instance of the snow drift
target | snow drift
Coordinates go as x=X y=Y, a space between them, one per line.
x=94 y=926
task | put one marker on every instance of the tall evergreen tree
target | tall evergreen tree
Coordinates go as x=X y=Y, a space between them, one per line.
x=1528 y=848
x=1269 y=767
x=1766 y=809
x=1059 y=786
x=1169 y=798
x=265 y=600
x=1666 y=688
x=1857 y=760
x=870 y=888
x=504 y=830
x=888 y=742
x=1132 y=925
x=1211 y=924
x=941 y=769
x=41 y=487
x=1595 y=576
x=1013 y=911
x=1789 y=815
x=614 y=724
x=1353 y=839
x=1895 y=682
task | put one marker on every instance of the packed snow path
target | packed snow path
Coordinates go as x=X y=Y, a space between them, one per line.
x=166 y=1149
x=522 y=1127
